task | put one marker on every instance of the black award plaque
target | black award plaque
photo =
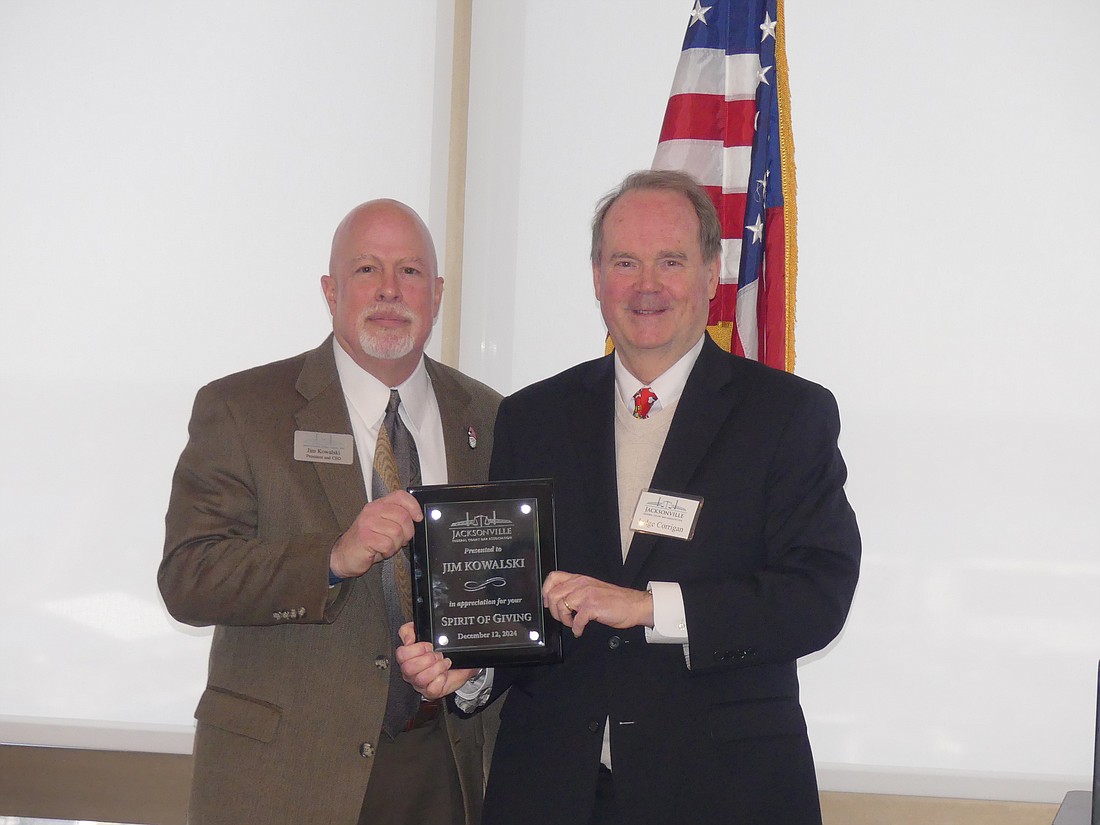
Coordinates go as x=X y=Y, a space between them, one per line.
x=479 y=558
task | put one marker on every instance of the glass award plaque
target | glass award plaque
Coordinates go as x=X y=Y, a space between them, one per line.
x=479 y=558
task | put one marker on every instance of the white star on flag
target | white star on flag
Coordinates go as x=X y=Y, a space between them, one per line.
x=767 y=27
x=762 y=186
x=699 y=13
x=757 y=229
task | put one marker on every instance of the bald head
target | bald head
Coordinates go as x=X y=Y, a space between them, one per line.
x=383 y=209
x=382 y=288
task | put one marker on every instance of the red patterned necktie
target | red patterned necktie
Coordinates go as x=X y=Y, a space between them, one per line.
x=643 y=402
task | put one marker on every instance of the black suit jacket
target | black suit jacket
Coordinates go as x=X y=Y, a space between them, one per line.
x=768 y=577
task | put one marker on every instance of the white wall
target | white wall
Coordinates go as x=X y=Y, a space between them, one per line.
x=169 y=179
x=567 y=98
x=948 y=292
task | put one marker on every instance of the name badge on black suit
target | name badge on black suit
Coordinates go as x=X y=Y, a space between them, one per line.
x=666 y=514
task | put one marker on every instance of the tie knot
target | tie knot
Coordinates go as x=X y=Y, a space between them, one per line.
x=643 y=402
x=393 y=404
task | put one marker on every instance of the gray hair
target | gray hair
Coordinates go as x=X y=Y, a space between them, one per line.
x=710 y=227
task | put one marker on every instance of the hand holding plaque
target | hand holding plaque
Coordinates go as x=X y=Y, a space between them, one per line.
x=479 y=558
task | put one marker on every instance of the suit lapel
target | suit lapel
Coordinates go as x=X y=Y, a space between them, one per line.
x=326 y=411
x=704 y=406
x=591 y=413
x=455 y=415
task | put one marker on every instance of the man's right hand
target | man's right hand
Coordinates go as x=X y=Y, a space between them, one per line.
x=382 y=528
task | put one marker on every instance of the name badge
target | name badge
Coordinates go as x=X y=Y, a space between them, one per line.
x=666 y=514
x=323 y=448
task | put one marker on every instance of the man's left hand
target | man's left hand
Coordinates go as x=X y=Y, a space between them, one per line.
x=576 y=600
x=427 y=670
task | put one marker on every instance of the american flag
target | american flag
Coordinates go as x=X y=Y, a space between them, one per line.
x=728 y=125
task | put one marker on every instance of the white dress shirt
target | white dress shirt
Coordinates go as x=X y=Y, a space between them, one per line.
x=367 y=398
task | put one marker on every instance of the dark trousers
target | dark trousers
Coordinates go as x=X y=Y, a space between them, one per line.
x=414 y=780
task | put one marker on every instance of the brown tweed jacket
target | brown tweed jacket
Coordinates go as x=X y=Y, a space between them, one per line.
x=298 y=676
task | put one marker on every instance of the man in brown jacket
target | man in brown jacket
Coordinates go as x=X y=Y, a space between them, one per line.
x=271 y=538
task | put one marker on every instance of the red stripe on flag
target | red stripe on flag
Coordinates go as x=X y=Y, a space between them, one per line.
x=692 y=116
x=740 y=120
x=723 y=304
x=709 y=117
x=731 y=212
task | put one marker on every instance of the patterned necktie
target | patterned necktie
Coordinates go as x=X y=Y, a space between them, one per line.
x=395 y=458
x=643 y=402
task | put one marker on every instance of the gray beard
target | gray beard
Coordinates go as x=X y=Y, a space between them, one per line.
x=386 y=346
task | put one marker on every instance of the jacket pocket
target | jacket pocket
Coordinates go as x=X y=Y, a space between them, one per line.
x=756 y=719
x=240 y=714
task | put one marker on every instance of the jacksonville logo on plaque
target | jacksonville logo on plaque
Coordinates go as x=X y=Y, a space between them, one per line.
x=479 y=558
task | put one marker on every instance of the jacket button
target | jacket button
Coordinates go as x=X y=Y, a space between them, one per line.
x=382 y=662
x=366 y=750
x=614 y=642
x=594 y=725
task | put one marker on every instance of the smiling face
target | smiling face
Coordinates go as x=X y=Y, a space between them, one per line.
x=652 y=283
x=382 y=288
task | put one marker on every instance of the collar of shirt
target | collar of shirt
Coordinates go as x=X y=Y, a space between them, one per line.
x=668 y=386
x=367 y=397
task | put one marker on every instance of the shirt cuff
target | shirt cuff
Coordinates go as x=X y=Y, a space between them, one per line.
x=475 y=692
x=669 y=618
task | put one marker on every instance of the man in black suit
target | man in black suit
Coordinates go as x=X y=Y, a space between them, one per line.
x=704 y=543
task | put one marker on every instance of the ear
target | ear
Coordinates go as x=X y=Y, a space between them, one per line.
x=328 y=286
x=437 y=297
x=714 y=271
x=596 y=280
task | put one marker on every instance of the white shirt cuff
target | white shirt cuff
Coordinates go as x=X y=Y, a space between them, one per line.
x=475 y=692
x=669 y=619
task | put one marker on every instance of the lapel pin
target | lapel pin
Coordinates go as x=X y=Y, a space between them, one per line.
x=472 y=437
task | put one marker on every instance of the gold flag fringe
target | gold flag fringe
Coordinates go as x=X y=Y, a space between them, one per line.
x=790 y=210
